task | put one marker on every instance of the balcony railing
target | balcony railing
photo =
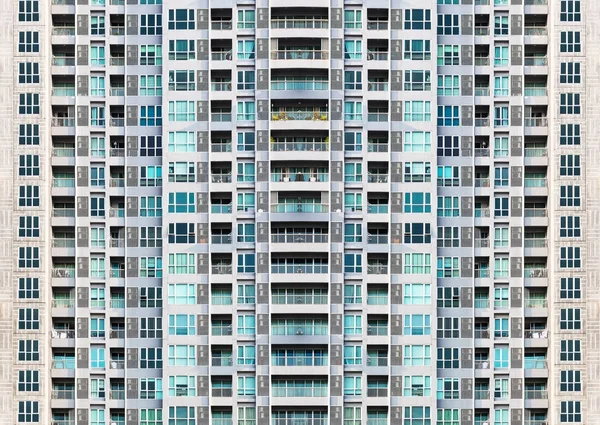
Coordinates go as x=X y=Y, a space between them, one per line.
x=377 y=117
x=482 y=273
x=535 y=60
x=482 y=30
x=482 y=61
x=299 y=238
x=220 y=178
x=482 y=364
x=535 y=364
x=117 y=182
x=117 y=303
x=482 y=182
x=482 y=91
x=220 y=147
x=377 y=24
x=482 y=394
x=299 y=268
x=221 y=299
x=298 y=360
x=220 y=85
x=536 y=2
x=300 y=84
x=220 y=116
x=63 y=242
x=220 y=239
x=482 y=243
x=63 y=302
x=63 y=91
x=221 y=55
x=377 y=208
x=377 y=239
x=117 y=61
x=117 y=334
x=299 y=208
x=535 y=91
x=535 y=394
x=535 y=243
x=482 y=212
x=315 y=145
x=377 y=361
x=535 y=212
x=63 y=273
x=299 y=23
x=482 y=122
x=221 y=392
x=117 y=394
x=383 y=86
x=482 y=333
x=482 y=303
x=535 y=272
x=374 y=55
x=221 y=208
x=63 y=394
x=277 y=391
x=117 y=212
x=63 y=364
x=117 y=364
x=222 y=361
x=115 y=30
x=377 y=269
x=117 y=122
x=221 y=25
x=62 y=422
x=63 y=333
x=378 y=147
x=63 y=152
x=299 y=115
x=63 y=60
x=536 y=334
x=299 y=54
x=536 y=152
x=117 y=152
x=221 y=330
x=536 y=421
x=63 y=122
x=535 y=182
x=536 y=303
x=221 y=269
x=298 y=298
x=299 y=330
x=535 y=30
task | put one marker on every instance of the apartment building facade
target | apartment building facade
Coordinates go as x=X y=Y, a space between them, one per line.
x=299 y=213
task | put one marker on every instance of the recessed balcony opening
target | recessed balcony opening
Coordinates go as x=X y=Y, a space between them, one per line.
x=299 y=171
x=299 y=18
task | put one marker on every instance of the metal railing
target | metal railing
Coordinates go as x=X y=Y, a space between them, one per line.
x=63 y=333
x=482 y=394
x=222 y=361
x=536 y=303
x=115 y=30
x=220 y=85
x=535 y=212
x=299 y=177
x=536 y=152
x=63 y=60
x=535 y=91
x=220 y=147
x=297 y=115
x=63 y=272
x=63 y=122
x=63 y=364
x=377 y=117
x=377 y=208
x=482 y=122
x=482 y=333
x=221 y=55
x=221 y=208
x=482 y=273
x=536 y=334
x=535 y=61
x=63 y=394
x=482 y=303
x=63 y=152
x=535 y=243
x=117 y=91
x=535 y=394
x=117 y=394
x=377 y=361
x=220 y=116
x=299 y=208
x=299 y=23
x=63 y=302
x=117 y=60
x=482 y=212
x=220 y=178
x=376 y=24
x=378 y=147
x=117 y=364
x=482 y=243
x=63 y=91
x=535 y=273
x=299 y=360
x=377 y=269
x=291 y=298
x=221 y=330
x=116 y=182
x=535 y=182
x=117 y=152
x=482 y=61
x=377 y=239
x=221 y=269
x=63 y=242
x=482 y=364
x=299 y=54
x=299 y=238
x=482 y=30
x=299 y=268
x=117 y=334
x=482 y=182
x=220 y=239
x=383 y=86
x=300 y=84
x=535 y=364
x=305 y=146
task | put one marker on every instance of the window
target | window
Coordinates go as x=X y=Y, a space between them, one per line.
x=353 y=142
x=29 y=411
x=417 y=233
x=97 y=389
x=246 y=142
x=570 y=227
x=97 y=177
x=417 y=172
x=245 y=49
x=29 y=103
x=500 y=324
x=181 y=19
x=150 y=237
x=501 y=86
x=97 y=417
x=570 y=288
x=570 y=196
x=29 y=227
x=352 y=416
x=570 y=319
x=29 y=42
x=501 y=357
x=151 y=388
x=417 y=263
x=570 y=42
x=182 y=293
x=500 y=176
x=417 y=324
x=417 y=50
x=353 y=111
x=352 y=385
x=29 y=319
x=29 y=257
x=29 y=134
x=417 y=19
x=570 y=257
x=417 y=202
x=353 y=49
x=97 y=298
x=182 y=111
x=151 y=85
x=150 y=416
x=448 y=85
x=448 y=267
x=151 y=358
x=417 y=80
x=182 y=202
x=352 y=263
x=448 y=327
x=353 y=172
x=448 y=358
x=353 y=202
x=29 y=380
x=352 y=324
x=417 y=386
x=151 y=24
x=246 y=232
x=246 y=19
x=570 y=411
x=246 y=263
x=182 y=172
x=570 y=72
x=417 y=293
x=417 y=110
x=448 y=416
x=500 y=147
x=246 y=385
x=448 y=116
x=29 y=72
x=150 y=116
x=182 y=415
x=500 y=25
x=417 y=415
x=570 y=380
x=448 y=146
x=182 y=355
x=447 y=175
x=501 y=116
x=29 y=288
x=570 y=350
x=501 y=206
x=417 y=355
x=501 y=417
x=29 y=350
x=182 y=324
x=448 y=24
x=182 y=263
x=182 y=80
x=246 y=111
x=29 y=11
x=353 y=232
x=447 y=389
x=97 y=86
x=151 y=266
x=97 y=25
x=97 y=206
x=182 y=233
x=570 y=103
x=353 y=80
x=246 y=80
x=570 y=11
x=448 y=297
x=181 y=141
x=417 y=141
x=353 y=19
x=150 y=54
x=97 y=55
x=448 y=54
x=151 y=206
x=29 y=196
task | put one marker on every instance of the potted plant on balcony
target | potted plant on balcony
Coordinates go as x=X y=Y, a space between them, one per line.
x=315 y=116
x=323 y=117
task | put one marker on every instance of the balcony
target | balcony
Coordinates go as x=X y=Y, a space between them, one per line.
x=63 y=122
x=292 y=237
x=117 y=30
x=299 y=266
x=221 y=24
x=299 y=296
x=63 y=394
x=300 y=83
x=377 y=268
x=536 y=303
x=536 y=152
x=299 y=144
x=63 y=302
x=535 y=243
x=535 y=394
x=299 y=208
x=63 y=60
x=535 y=60
x=62 y=272
x=63 y=152
x=63 y=91
x=299 y=23
x=63 y=333
x=536 y=333
x=299 y=114
x=299 y=330
x=535 y=272
x=221 y=269
x=63 y=242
